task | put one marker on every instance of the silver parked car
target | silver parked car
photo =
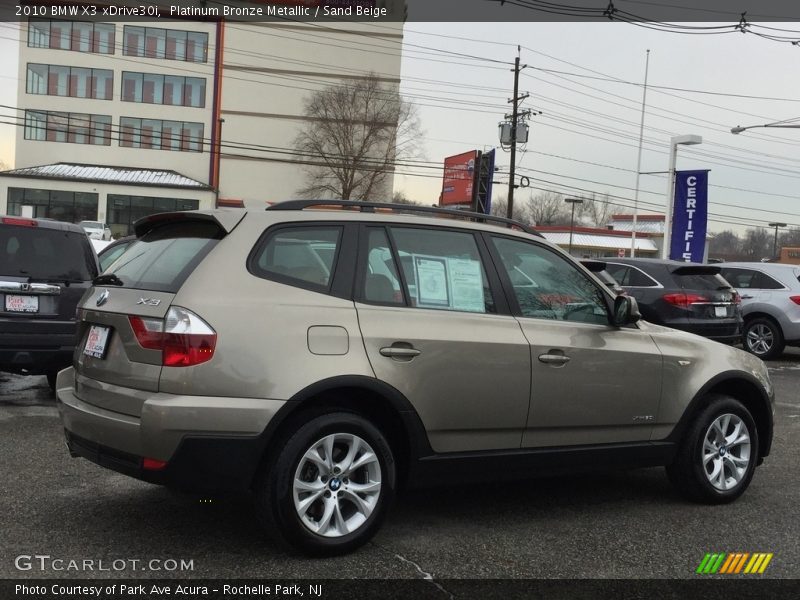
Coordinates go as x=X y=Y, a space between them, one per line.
x=326 y=358
x=770 y=295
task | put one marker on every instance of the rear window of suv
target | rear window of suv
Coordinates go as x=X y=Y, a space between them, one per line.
x=165 y=256
x=41 y=253
x=698 y=281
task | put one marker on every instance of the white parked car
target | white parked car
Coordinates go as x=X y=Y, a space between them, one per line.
x=96 y=230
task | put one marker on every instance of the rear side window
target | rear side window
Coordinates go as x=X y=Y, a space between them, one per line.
x=45 y=254
x=630 y=276
x=698 y=281
x=300 y=256
x=165 y=257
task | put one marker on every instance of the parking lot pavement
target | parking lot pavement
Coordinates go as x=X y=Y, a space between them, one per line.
x=618 y=525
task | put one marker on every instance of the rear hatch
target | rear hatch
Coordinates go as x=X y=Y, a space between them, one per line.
x=711 y=303
x=124 y=323
x=45 y=268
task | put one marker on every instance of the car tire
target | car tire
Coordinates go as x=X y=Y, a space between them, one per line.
x=323 y=506
x=718 y=453
x=763 y=338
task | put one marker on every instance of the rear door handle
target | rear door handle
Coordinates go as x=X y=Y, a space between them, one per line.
x=553 y=359
x=399 y=352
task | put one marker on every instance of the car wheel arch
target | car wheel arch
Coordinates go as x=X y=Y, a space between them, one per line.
x=744 y=388
x=386 y=407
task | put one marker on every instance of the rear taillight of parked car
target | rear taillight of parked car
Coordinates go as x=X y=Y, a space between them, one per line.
x=184 y=338
x=684 y=300
x=795 y=299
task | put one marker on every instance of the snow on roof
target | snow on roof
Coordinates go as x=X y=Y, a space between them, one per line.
x=582 y=240
x=106 y=174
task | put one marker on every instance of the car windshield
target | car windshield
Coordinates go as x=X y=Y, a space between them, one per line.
x=45 y=254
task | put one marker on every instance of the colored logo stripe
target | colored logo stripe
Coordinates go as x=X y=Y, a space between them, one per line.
x=733 y=563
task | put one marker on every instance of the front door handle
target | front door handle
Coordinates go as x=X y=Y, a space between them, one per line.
x=553 y=359
x=399 y=352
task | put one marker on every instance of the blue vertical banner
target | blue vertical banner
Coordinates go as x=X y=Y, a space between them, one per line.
x=689 y=216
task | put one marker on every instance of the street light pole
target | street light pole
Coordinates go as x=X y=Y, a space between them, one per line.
x=775 y=241
x=780 y=125
x=685 y=140
x=573 y=202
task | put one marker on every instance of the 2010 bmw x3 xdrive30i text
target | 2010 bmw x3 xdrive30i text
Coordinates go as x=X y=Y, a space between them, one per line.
x=325 y=358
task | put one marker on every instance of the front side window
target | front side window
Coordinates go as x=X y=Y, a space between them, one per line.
x=547 y=286
x=303 y=256
x=442 y=270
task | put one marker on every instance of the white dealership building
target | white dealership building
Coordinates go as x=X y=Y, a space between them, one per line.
x=119 y=120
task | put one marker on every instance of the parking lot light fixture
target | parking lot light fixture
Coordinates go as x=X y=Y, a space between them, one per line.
x=775 y=241
x=680 y=140
x=573 y=202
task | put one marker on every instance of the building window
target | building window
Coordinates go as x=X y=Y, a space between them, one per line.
x=72 y=207
x=75 y=82
x=74 y=128
x=123 y=210
x=170 y=44
x=152 y=88
x=160 y=135
x=78 y=36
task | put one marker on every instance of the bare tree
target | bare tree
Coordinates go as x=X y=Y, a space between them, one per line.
x=399 y=197
x=757 y=244
x=500 y=209
x=354 y=135
x=548 y=208
x=790 y=238
x=724 y=242
x=598 y=210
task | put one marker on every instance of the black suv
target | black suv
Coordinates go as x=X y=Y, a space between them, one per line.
x=45 y=267
x=688 y=296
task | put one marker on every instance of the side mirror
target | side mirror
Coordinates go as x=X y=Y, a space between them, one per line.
x=626 y=311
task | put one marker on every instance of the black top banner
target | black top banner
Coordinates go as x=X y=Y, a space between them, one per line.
x=733 y=15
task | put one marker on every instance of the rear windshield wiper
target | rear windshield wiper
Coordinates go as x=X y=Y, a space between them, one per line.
x=109 y=279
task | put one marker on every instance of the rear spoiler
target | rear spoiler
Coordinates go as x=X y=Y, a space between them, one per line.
x=226 y=219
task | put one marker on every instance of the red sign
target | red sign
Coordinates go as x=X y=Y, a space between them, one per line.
x=459 y=175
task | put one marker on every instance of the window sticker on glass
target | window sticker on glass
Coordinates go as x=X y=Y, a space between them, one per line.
x=431 y=276
x=466 y=284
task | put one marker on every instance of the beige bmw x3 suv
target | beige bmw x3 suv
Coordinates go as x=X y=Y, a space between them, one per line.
x=327 y=358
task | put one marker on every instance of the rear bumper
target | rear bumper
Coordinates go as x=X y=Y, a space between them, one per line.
x=209 y=443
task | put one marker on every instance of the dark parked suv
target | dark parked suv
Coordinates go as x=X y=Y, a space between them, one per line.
x=45 y=267
x=687 y=296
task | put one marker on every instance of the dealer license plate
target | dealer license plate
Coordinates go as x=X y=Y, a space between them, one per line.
x=96 y=341
x=29 y=304
x=720 y=311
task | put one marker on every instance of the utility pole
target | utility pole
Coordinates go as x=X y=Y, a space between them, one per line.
x=514 y=122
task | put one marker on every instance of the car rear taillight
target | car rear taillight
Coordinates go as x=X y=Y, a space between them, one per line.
x=795 y=299
x=153 y=464
x=684 y=300
x=16 y=221
x=184 y=338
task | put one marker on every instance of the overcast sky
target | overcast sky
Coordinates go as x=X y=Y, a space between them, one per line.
x=587 y=134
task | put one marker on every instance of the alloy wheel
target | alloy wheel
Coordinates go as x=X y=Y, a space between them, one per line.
x=337 y=485
x=726 y=451
x=760 y=339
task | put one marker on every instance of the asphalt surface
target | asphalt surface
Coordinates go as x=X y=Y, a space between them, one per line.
x=622 y=525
